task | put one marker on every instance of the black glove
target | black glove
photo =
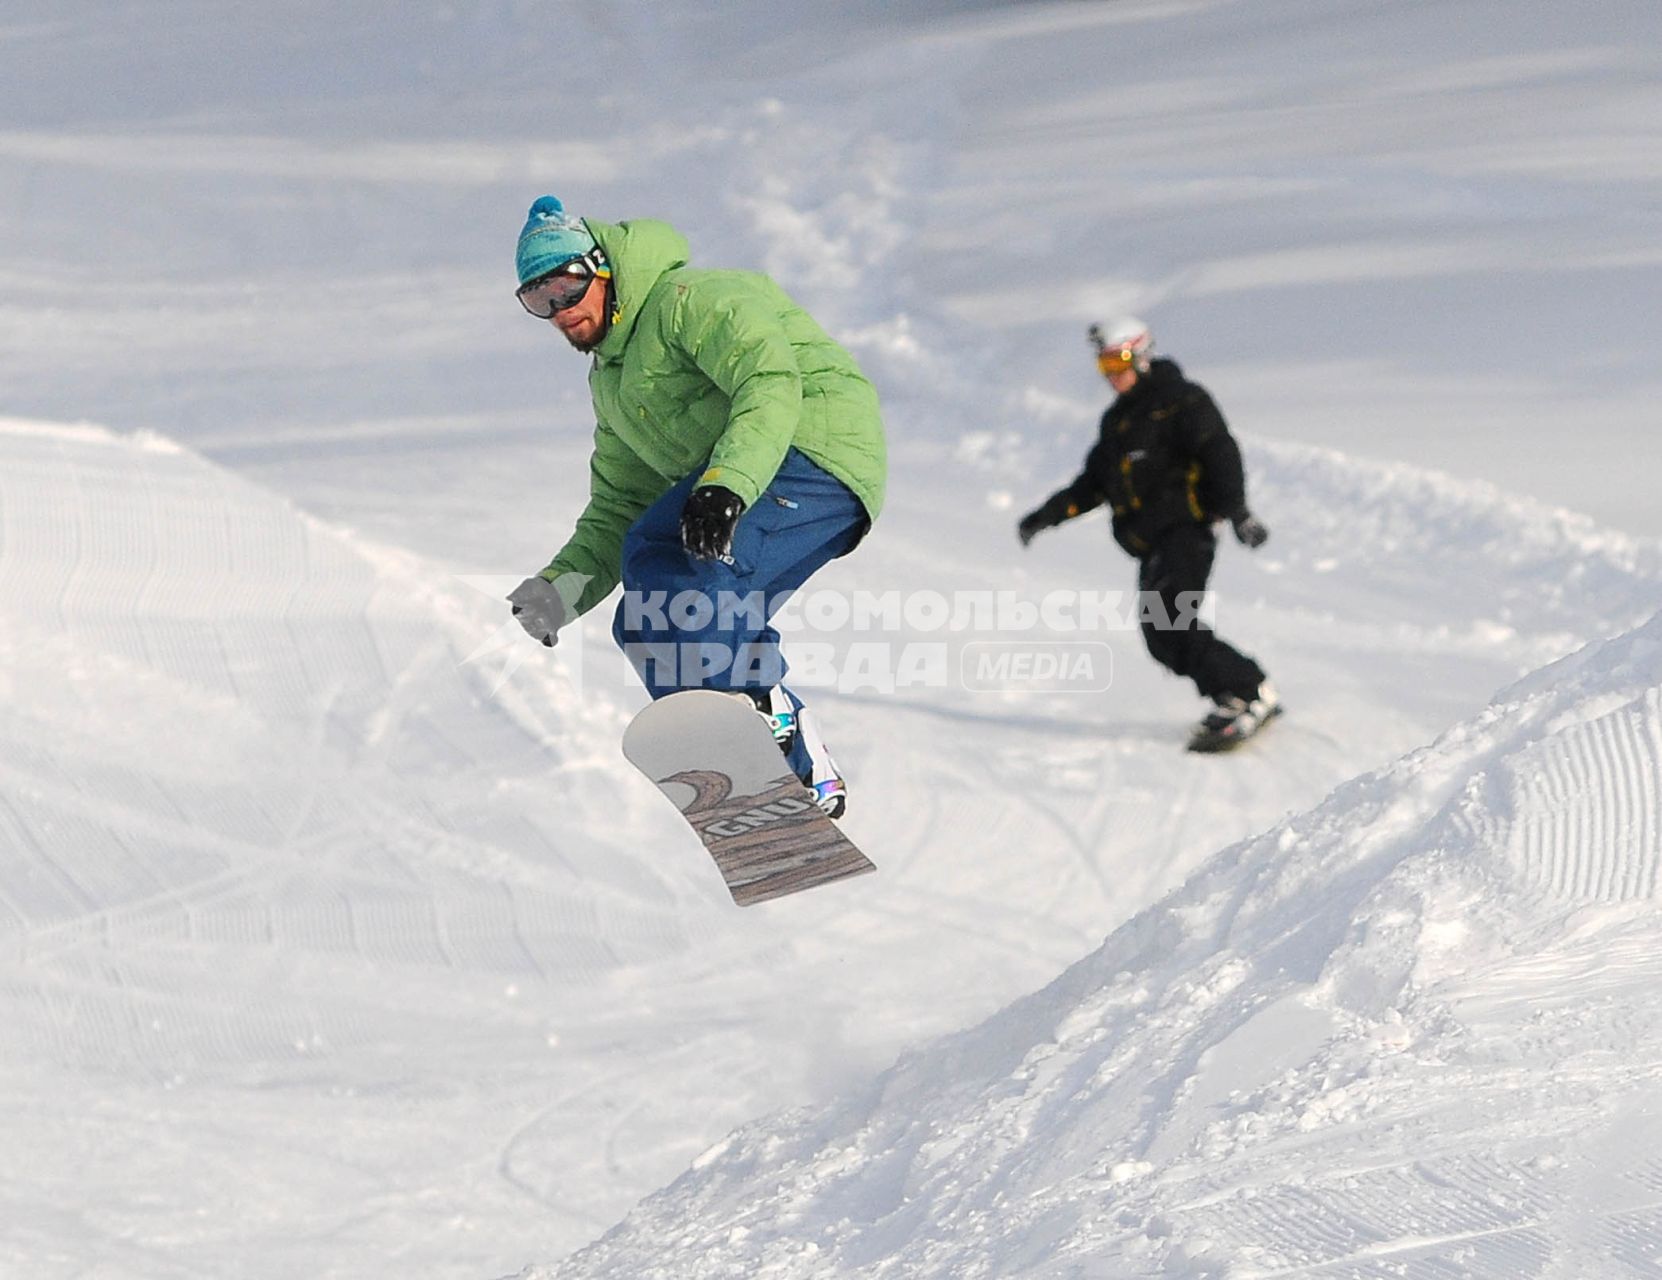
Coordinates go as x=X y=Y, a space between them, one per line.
x=539 y=609
x=1033 y=523
x=1057 y=508
x=1250 y=530
x=708 y=520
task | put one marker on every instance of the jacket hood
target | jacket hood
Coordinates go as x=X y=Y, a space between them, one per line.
x=1162 y=370
x=640 y=251
x=1161 y=373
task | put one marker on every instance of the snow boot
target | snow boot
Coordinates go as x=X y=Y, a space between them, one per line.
x=796 y=729
x=1235 y=719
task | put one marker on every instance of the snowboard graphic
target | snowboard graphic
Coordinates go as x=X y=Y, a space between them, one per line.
x=712 y=755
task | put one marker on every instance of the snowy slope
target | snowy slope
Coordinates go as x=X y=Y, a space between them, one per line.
x=274 y=866
x=1425 y=232
x=334 y=935
x=314 y=901
x=1412 y=1033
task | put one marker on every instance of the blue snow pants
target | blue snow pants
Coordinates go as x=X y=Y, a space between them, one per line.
x=706 y=624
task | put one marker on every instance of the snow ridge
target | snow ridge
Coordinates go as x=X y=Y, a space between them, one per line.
x=229 y=727
x=1409 y=1033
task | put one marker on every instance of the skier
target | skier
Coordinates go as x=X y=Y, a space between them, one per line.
x=737 y=449
x=1165 y=464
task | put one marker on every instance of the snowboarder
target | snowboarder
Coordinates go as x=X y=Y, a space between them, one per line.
x=737 y=449
x=1168 y=469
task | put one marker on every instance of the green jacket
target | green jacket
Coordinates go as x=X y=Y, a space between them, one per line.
x=717 y=372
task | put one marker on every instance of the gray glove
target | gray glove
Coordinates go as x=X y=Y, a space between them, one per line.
x=539 y=609
x=1250 y=531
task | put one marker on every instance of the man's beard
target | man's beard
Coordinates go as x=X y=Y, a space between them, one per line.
x=599 y=335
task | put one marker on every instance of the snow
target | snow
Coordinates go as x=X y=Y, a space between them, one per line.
x=335 y=933
x=1409 y=1032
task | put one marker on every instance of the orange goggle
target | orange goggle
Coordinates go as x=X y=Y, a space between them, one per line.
x=1116 y=360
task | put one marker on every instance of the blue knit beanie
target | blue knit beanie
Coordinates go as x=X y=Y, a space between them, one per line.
x=551 y=237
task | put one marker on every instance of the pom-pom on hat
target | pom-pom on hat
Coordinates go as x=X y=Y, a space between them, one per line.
x=551 y=238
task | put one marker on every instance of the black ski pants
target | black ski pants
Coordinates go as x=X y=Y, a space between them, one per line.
x=1175 y=569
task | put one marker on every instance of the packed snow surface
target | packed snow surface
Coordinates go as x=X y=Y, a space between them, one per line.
x=1411 y=1032
x=338 y=938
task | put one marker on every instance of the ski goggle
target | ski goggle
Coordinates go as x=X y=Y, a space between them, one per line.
x=563 y=287
x=1113 y=360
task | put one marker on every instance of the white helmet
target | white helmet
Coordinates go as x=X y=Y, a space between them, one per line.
x=1122 y=344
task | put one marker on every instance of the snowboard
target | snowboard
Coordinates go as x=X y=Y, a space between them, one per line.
x=713 y=757
x=1210 y=742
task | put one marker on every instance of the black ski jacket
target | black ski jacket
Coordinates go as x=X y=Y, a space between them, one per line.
x=1164 y=458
